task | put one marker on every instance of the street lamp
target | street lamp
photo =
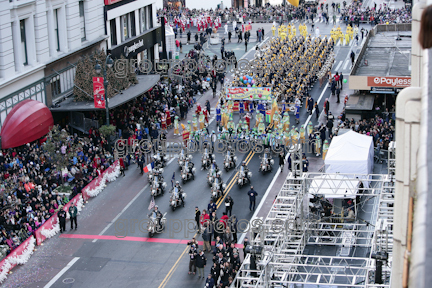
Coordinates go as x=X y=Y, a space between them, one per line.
x=98 y=69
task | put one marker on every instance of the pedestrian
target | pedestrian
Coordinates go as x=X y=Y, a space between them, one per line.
x=206 y=237
x=73 y=211
x=197 y=218
x=341 y=80
x=281 y=161
x=141 y=163
x=62 y=220
x=229 y=36
x=330 y=127
x=246 y=42
x=201 y=262
x=233 y=225
x=122 y=167
x=192 y=259
x=211 y=207
x=252 y=198
x=338 y=90
x=245 y=244
x=352 y=55
x=317 y=112
x=229 y=202
x=210 y=282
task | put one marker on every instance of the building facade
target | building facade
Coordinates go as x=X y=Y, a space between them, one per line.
x=132 y=29
x=40 y=42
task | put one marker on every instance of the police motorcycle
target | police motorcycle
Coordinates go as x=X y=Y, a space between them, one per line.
x=244 y=175
x=159 y=158
x=266 y=162
x=188 y=171
x=177 y=197
x=156 y=171
x=206 y=159
x=213 y=172
x=158 y=185
x=230 y=159
x=217 y=189
x=156 y=222
x=183 y=157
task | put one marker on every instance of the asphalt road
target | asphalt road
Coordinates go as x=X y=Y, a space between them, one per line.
x=93 y=256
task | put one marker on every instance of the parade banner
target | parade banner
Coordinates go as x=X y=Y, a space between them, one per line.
x=99 y=92
x=249 y=93
x=248 y=27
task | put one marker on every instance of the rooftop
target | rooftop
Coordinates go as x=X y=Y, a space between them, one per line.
x=387 y=56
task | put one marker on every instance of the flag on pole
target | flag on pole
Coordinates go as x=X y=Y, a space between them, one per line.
x=173 y=179
x=149 y=167
x=152 y=204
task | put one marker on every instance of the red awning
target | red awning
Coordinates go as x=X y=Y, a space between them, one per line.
x=28 y=121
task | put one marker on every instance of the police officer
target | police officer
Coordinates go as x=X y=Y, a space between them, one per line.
x=62 y=219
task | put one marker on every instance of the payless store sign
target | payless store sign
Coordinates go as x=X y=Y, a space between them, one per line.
x=393 y=82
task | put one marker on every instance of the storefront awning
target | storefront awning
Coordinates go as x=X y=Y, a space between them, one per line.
x=28 y=121
x=145 y=83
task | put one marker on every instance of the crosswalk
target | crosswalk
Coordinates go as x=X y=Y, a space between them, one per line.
x=343 y=66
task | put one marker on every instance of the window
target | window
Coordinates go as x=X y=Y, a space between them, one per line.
x=125 y=25
x=82 y=20
x=150 y=16
x=23 y=41
x=113 y=32
x=56 y=28
x=143 y=19
x=132 y=24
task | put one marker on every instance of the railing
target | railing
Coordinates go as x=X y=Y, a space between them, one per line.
x=35 y=91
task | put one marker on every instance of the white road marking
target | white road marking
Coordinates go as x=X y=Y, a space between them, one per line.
x=346 y=64
x=338 y=66
x=124 y=209
x=69 y=265
x=338 y=43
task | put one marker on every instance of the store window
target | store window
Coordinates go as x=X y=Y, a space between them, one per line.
x=125 y=25
x=132 y=24
x=150 y=15
x=56 y=28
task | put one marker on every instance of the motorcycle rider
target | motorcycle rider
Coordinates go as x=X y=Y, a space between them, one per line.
x=180 y=191
x=215 y=166
x=156 y=214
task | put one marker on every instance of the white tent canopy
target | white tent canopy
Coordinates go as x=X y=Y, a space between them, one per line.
x=350 y=153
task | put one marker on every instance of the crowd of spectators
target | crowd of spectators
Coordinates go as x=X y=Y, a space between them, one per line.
x=30 y=175
x=381 y=128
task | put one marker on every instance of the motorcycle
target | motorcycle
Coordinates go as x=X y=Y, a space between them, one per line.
x=177 y=198
x=154 y=227
x=152 y=174
x=211 y=175
x=158 y=186
x=183 y=157
x=229 y=161
x=159 y=159
x=217 y=189
x=266 y=162
x=244 y=176
x=206 y=160
x=188 y=171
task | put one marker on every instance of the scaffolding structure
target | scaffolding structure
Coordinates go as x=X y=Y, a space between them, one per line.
x=293 y=246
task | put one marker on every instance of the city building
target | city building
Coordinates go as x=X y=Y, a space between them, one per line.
x=40 y=42
x=381 y=70
x=132 y=29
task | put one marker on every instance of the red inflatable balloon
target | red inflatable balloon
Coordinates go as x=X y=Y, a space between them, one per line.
x=28 y=121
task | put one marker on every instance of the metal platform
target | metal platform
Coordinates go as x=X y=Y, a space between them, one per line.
x=300 y=247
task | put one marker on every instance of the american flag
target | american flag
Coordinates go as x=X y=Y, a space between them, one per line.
x=152 y=204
